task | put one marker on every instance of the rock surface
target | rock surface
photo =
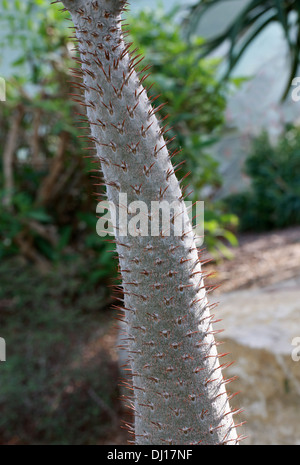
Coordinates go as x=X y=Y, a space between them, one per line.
x=261 y=324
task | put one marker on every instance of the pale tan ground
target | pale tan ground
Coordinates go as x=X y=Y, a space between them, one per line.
x=260 y=260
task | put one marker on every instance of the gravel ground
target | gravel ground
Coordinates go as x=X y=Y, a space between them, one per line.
x=259 y=260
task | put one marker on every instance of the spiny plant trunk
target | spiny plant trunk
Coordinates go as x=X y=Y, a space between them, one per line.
x=179 y=394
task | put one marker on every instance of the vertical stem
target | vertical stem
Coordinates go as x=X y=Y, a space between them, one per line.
x=179 y=391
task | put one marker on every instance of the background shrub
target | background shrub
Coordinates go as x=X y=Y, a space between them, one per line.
x=273 y=200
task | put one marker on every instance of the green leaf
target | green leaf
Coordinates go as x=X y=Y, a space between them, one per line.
x=39 y=215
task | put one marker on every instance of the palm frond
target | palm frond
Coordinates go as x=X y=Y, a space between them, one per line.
x=246 y=26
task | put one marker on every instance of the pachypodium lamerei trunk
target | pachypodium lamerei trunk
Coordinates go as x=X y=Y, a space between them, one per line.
x=179 y=391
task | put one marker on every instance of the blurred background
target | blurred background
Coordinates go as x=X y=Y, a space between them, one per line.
x=227 y=69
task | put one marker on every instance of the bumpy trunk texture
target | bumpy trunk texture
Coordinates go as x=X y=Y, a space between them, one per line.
x=179 y=392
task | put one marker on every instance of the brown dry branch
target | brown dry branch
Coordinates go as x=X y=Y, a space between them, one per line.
x=56 y=169
x=9 y=153
x=35 y=141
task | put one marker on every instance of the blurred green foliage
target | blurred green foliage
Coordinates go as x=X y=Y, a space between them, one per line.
x=48 y=390
x=273 y=201
x=58 y=385
x=38 y=36
x=41 y=83
x=52 y=213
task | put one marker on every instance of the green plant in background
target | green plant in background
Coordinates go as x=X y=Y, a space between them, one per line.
x=47 y=153
x=29 y=27
x=47 y=215
x=273 y=200
x=50 y=388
